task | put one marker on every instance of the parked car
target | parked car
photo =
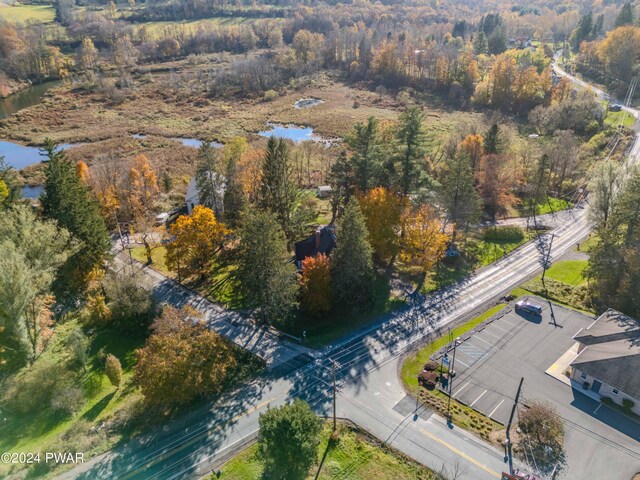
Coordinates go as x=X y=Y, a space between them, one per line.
x=529 y=307
x=615 y=108
x=162 y=218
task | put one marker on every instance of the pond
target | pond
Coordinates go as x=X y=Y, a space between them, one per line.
x=290 y=132
x=26 y=98
x=187 y=142
x=20 y=156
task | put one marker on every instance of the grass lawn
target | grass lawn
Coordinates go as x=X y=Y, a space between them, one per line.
x=323 y=330
x=44 y=429
x=616 y=118
x=494 y=243
x=414 y=363
x=552 y=205
x=568 y=271
x=24 y=13
x=354 y=455
x=158 y=255
x=564 y=284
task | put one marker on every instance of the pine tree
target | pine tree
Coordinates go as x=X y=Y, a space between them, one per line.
x=340 y=178
x=411 y=142
x=367 y=153
x=352 y=259
x=493 y=140
x=209 y=179
x=626 y=15
x=235 y=198
x=459 y=195
x=481 y=44
x=70 y=202
x=266 y=275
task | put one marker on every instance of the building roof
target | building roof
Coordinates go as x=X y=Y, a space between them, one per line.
x=612 y=352
x=608 y=327
x=322 y=241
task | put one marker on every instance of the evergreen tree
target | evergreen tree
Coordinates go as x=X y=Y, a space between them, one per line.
x=340 y=178
x=352 y=259
x=493 y=140
x=480 y=43
x=113 y=370
x=411 y=144
x=582 y=32
x=626 y=15
x=459 y=195
x=70 y=202
x=235 y=198
x=266 y=275
x=497 y=41
x=367 y=153
x=597 y=26
x=210 y=180
x=279 y=191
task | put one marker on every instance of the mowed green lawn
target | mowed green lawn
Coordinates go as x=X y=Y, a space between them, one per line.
x=24 y=13
x=569 y=272
x=354 y=455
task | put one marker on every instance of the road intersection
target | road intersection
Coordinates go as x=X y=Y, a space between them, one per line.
x=370 y=395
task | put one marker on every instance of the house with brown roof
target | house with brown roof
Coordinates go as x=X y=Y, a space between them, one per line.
x=608 y=360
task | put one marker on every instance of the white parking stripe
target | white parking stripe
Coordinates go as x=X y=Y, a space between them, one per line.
x=460 y=389
x=479 y=397
x=486 y=330
x=478 y=338
x=497 y=407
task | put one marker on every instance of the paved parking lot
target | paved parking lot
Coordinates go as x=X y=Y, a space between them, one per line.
x=490 y=363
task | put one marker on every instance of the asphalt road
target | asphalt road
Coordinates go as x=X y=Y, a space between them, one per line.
x=370 y=392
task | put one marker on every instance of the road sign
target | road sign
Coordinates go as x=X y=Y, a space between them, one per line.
x=445 y=359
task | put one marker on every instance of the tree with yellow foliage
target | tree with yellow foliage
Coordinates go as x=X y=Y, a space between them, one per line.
x=316 y=290
x=619 y=50
x=197 y=239
x=82 y=171
x=423 y=243
x=382 y=210
x=143 y=187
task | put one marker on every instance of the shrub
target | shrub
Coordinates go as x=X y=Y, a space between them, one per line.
x=270 y=95
x=113 y=370
x=431 y=366
x=68 y=400
x=627 y=404
x=510 y=233
x=34 y=387
x=607 y=401
x=427 y=379
x=131 y=305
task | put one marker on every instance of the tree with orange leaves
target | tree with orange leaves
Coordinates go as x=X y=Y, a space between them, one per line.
x=382 y=210
x=143 y=187
x=197 y=239
x=316 y=285
x=82 y=171
x=423 y=243
x=473 y=146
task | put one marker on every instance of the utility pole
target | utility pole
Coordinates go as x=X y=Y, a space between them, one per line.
x=451 y=375
x=546 y=261
x=513 y=411
x=333 y=364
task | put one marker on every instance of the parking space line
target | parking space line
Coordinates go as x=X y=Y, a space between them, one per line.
x=460 y=389
x=460 y=361
x=478 y=338
x=500 y=328
x=486 y=330
x=497 y=407
x=479 y=397
x=509 y=323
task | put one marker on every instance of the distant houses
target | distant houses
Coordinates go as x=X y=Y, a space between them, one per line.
x=608 y=361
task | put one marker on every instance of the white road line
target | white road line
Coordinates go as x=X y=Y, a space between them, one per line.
x=497 y=407
x=460 y=361
x=499 y=328
x=479 y=397
x=455 y=394
x=596 y=410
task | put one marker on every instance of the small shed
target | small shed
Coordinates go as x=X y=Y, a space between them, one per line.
x=324 y=191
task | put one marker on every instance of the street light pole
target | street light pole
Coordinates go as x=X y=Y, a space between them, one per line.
x=451 y=374
x=333 y=363
x=508 y=435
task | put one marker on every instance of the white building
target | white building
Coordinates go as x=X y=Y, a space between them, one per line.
x=192 y=198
